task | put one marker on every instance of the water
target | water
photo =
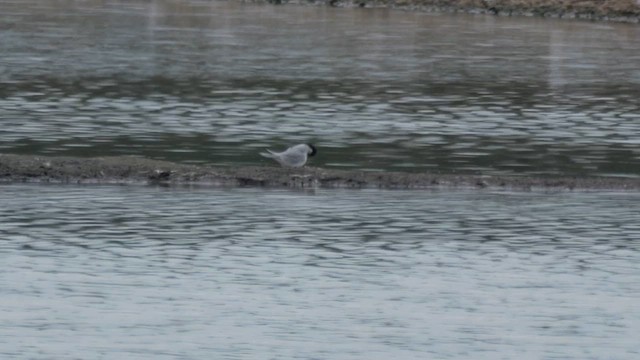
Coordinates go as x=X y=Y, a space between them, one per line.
x=107 y=272
x=215 y=82
x=113 y=272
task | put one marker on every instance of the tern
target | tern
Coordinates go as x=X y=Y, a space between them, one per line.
x=295 y=156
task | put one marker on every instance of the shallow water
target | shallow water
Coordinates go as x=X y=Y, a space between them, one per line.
x=214 y=82
x=189 y=273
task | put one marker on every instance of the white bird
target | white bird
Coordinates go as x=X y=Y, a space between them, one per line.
x=295 y=156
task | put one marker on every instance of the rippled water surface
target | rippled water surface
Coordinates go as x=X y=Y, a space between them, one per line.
x=108 y=272
x=156 y=273
x=213 y=82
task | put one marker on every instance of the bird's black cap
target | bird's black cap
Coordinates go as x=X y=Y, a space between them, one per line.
x=313 y=149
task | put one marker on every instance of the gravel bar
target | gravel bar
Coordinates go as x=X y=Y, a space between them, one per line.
x=139 y=170
x=600 y=10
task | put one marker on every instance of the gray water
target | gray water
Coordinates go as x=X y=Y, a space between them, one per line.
x=117 y=272
x=215 y=82
x=99 y=272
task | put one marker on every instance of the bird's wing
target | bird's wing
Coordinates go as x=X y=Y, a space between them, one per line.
x=294 y=157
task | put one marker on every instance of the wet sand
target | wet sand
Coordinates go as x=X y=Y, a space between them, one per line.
x=138 y=170
x=608 y=10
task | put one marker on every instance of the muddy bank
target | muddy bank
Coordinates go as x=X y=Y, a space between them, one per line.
x=611 y=10
x=138 y=170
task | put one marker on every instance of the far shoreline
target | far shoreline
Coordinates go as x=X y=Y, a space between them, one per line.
x=622 y=11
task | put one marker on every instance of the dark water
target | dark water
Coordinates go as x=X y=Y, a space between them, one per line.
x=193 y=273
x=214 y=82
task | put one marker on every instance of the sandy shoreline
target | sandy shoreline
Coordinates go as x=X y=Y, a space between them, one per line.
x=602 y=10
x=138 y=170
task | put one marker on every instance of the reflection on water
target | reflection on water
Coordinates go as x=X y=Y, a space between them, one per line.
x=212 y=82
x=157 y=273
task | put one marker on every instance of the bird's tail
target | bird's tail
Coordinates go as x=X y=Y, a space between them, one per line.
x=268 y=154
